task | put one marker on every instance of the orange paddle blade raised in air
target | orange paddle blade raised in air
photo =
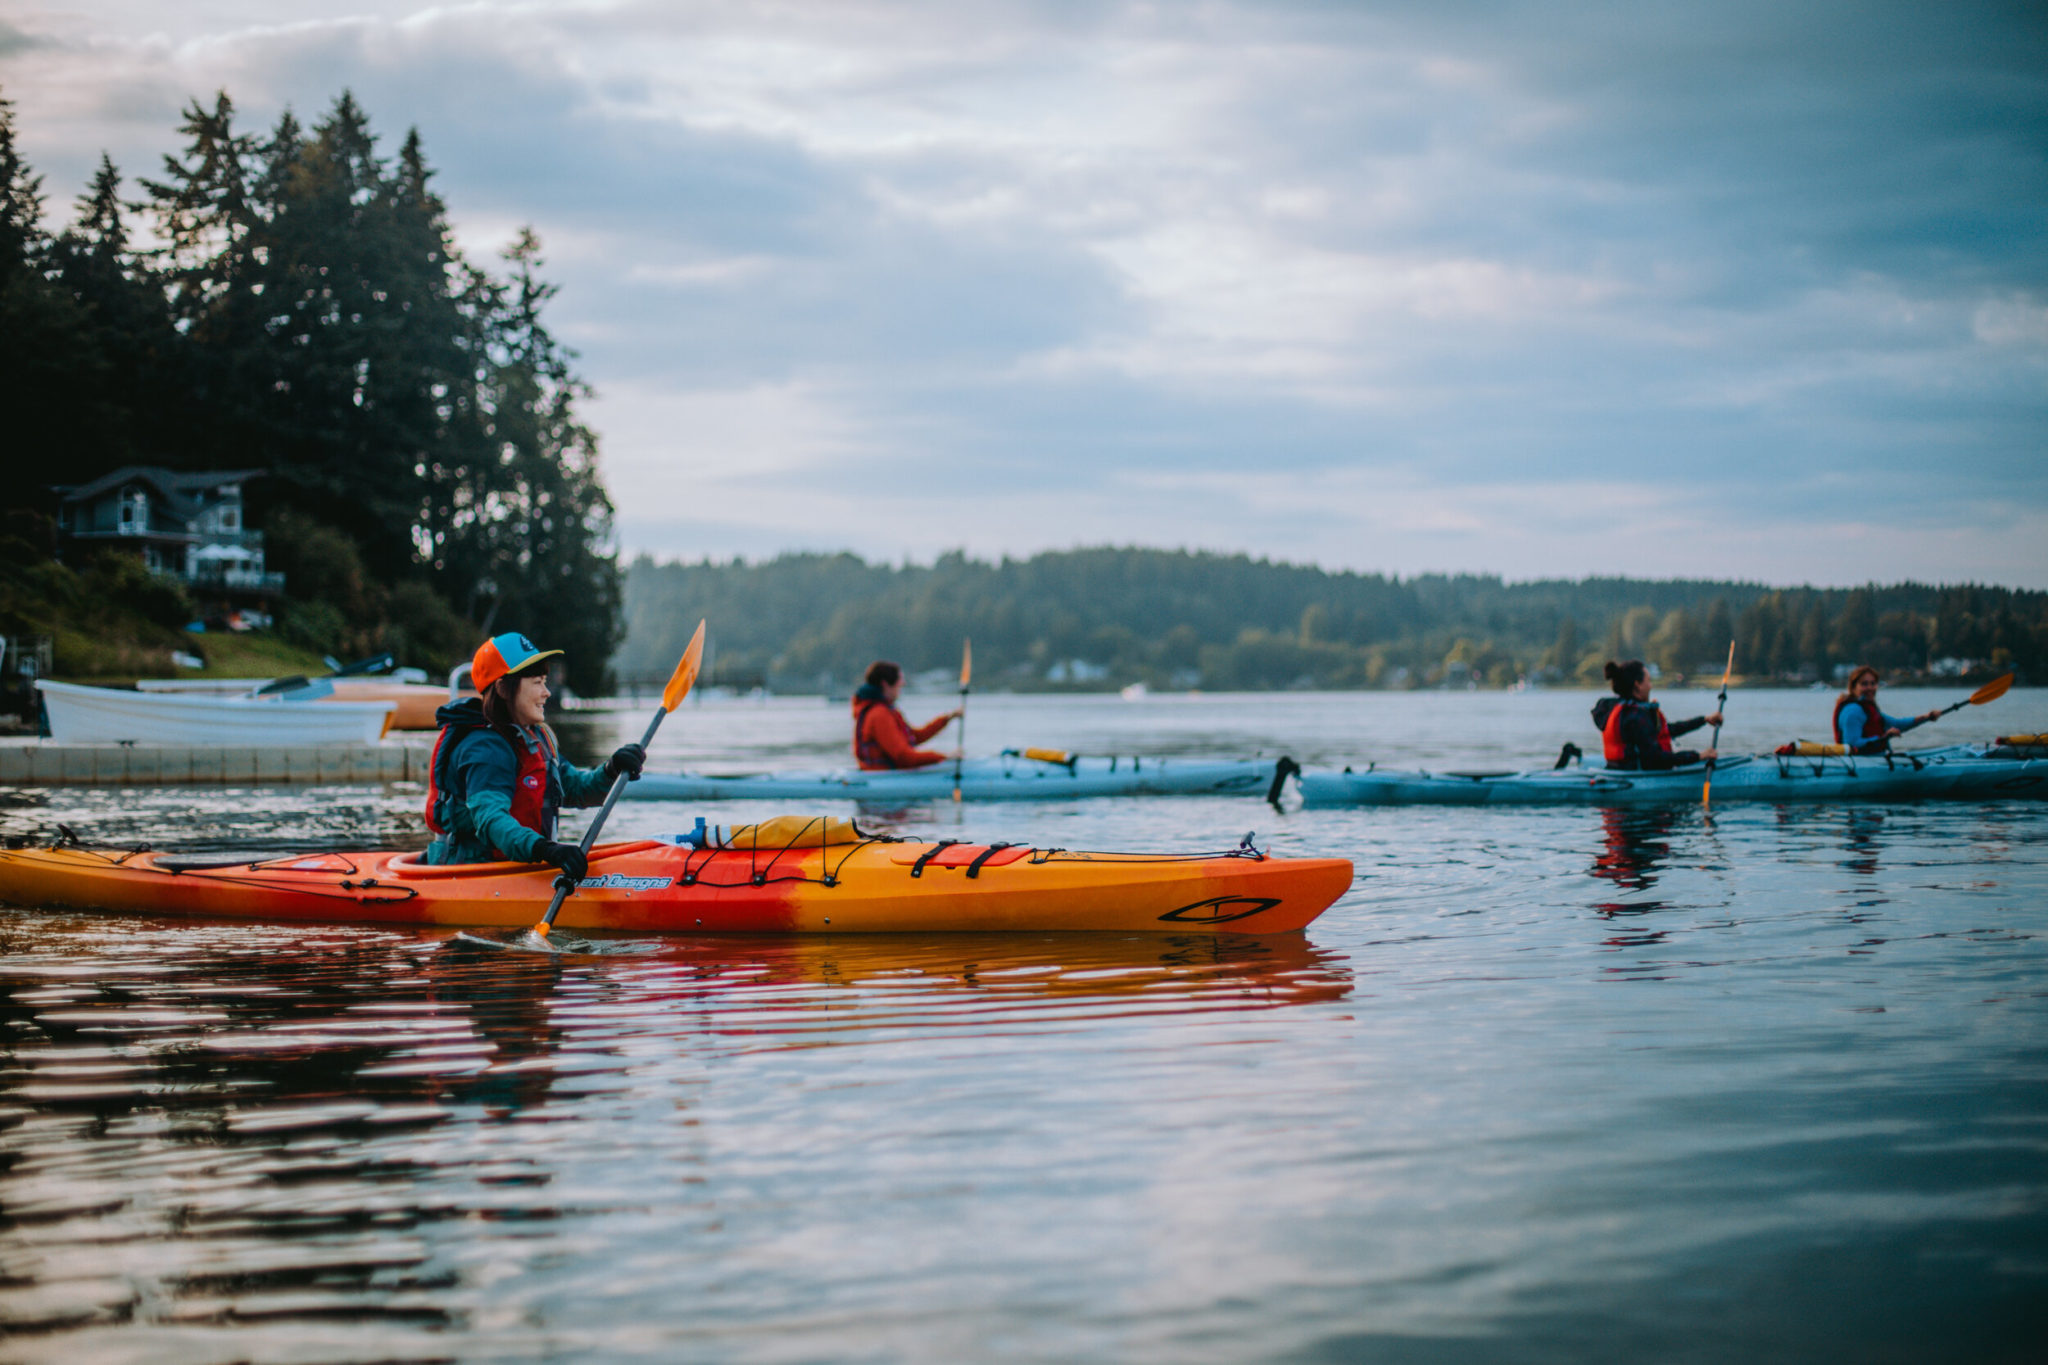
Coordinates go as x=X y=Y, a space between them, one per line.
x=1991 y=691
x=966 y=663
x=685 y=676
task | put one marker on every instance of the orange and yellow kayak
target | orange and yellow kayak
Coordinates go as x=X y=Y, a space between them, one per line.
x=769 y=886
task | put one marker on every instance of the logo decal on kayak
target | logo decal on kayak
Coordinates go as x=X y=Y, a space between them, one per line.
x=613 y=881
x=1222 y=909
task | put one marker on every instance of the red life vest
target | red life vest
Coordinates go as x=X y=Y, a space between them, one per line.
x=1612 y=743
x=1873 y=721
x=529 y=784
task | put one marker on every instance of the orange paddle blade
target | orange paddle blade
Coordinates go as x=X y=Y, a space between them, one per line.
x=1991 y=691
x=1730 y=668
x=966 y=663
x=685 y=676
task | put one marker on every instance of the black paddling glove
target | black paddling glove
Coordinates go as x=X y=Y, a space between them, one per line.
x=568 y=857
x=628 y=760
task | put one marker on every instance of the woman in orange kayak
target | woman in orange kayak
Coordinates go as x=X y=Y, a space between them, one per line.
x=497 y=782
x=1633 y=730
x=1861 y=724
x=882 y=738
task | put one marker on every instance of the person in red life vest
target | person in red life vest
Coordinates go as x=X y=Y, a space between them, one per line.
x=497 y=781
x=881 y=737
x=1633 y=730
x=1861 y=724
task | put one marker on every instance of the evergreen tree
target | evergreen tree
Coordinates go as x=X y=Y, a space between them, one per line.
x=53 y=381
x=142 y=359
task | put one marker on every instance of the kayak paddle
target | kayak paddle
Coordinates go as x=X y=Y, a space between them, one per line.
x=1720 y=702
x=966 y=674
x=1990 y=691
x=679 y=685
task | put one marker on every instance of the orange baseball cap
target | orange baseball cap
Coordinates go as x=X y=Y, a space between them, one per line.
x=505 y=654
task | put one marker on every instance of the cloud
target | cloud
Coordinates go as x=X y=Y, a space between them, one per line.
x=1763 y=268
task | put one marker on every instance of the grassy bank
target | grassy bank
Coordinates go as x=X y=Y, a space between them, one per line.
x=114 y=622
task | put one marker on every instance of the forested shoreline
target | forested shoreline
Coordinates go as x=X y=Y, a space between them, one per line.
x=292 y=302
x=1098 y=618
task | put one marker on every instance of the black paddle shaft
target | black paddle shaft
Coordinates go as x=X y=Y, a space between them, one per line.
x=566 y=884
x=961 y=738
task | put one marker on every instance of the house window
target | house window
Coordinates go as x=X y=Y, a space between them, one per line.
x=230 y=518
x=134 y=511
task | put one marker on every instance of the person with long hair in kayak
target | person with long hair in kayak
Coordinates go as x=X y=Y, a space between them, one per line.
x=882 y=738
x=1632 y=728
x=497 y=781
x=1861 y=724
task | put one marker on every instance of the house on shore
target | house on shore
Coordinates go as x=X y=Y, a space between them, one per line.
x=187 y=526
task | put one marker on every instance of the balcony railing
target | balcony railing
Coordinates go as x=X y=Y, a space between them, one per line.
x=246 y=539
x=213 y=575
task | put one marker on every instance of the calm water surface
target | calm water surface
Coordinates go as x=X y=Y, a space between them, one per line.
x=1548 y=1085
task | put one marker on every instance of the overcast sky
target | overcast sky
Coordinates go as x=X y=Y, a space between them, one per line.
x=1735 y=289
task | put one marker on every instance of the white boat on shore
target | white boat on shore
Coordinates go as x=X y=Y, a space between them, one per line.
x=416 y=703
x=108 y=715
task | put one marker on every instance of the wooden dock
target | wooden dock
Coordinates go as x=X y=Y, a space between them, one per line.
x=42 y=763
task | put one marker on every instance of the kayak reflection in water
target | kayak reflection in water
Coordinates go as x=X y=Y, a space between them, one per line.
x=1632 y=728
x=497 y=781
x=882 y=738
x=1861 y=724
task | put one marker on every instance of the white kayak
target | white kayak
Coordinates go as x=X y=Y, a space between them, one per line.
x=108 y=715
x=1967 y=771
x=1007 y=777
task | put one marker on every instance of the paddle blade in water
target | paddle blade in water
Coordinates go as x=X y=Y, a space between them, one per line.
x=685 y=676
x=966 y=663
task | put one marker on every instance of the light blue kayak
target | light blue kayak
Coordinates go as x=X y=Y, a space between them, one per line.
x=1965 y=771
x=1008 y=777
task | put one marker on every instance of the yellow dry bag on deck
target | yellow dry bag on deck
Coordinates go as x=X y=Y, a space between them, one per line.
x=1806 y=748
x=787 y=831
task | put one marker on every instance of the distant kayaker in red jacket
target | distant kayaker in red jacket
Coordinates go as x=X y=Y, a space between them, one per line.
x=1633 y=731
x=882 y=739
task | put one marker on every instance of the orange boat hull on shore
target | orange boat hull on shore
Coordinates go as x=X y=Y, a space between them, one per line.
x=417 y=702
x=866 y=887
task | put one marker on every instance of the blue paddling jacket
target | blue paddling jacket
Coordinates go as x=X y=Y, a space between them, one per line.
x=494 y=791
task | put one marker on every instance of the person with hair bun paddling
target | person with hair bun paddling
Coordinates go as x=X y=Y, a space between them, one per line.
x=1861 y=724
x=497 y=781
x=1633 y=730
x=882 y=738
